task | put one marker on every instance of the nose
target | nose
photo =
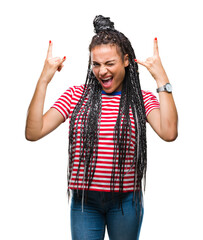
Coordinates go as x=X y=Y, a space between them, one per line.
x=102 y=71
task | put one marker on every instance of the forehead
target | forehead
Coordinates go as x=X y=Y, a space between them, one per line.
x=105 y=52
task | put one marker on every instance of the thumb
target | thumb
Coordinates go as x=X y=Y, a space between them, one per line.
x=61 y=64
x=64 y=58
x=140 y=62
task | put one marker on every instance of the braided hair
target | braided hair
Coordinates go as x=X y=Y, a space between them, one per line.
x=86 y=115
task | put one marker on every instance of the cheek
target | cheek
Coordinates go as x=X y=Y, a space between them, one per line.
x=121 y=74
x=95 y=72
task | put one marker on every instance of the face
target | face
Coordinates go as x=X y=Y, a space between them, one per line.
x=108 y=67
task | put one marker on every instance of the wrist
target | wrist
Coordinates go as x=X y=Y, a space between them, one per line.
x=44 y=80
x=162 y=81
x=165 y=88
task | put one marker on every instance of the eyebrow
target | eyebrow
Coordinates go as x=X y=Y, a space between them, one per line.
x=106 y=61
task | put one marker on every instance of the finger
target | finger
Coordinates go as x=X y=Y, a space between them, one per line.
x=61 y=64
x=49 y=52
x=140 y=62
x=60 y=67
x=63 y=59
x=156 y=50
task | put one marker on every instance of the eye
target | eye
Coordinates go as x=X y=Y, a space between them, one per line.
x=110 y=64
x=94 y=64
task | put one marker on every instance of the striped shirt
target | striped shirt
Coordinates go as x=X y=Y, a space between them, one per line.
x=110 y=107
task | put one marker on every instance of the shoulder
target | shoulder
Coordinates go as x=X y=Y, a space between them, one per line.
x=147 y=94
x=74 y=90
x=79 y=88
x=150 y=101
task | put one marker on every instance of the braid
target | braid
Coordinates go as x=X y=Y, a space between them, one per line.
x=86 y=116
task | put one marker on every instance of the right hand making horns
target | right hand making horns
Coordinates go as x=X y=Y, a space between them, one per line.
x=51 y=64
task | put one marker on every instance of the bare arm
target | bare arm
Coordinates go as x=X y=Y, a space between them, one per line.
x=37 y=124
x=164 y=121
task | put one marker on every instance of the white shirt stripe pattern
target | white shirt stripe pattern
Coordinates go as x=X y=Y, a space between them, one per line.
x=110 y=107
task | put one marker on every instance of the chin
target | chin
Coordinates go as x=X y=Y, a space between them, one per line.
x=107 y=90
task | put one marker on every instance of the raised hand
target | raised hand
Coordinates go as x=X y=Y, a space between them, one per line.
x=51 y=64
x=154 y=65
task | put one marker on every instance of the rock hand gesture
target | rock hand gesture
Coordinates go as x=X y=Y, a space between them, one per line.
x=163 y=120
x=154 y=65
x=51 y=64
x=37 y=124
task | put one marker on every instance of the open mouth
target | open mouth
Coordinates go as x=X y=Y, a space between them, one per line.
x=107 y=82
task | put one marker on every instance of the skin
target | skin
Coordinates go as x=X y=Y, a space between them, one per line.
x=107 y=62
x=164 y=121
x=37 y=124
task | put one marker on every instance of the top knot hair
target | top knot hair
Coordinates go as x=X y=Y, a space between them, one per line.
x=86 y=120
x=102 y=23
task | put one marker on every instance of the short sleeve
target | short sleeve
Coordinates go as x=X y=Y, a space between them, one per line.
x=63 y=104
x=150 y=101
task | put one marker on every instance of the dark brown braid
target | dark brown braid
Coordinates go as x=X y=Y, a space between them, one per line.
x=87 y=117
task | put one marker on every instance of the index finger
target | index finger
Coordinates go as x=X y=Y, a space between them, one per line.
x=156 y=50
x=49 y=52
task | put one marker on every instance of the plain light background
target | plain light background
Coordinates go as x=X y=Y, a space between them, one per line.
x=33 y=182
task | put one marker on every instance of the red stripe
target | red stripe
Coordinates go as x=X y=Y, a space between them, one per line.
x=110 y=108
x=102 y=167
x=77 y=155
x=103 y=190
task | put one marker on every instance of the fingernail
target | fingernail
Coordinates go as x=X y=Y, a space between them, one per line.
x=50 y=42
x=135 y=60
x=64 y=57
x=155 y=39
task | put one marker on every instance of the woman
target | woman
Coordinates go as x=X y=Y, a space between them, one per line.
x=107 y=135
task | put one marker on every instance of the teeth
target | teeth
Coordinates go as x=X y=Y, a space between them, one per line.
x=106 y=79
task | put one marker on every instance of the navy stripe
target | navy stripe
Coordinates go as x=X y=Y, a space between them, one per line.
x=113 y=93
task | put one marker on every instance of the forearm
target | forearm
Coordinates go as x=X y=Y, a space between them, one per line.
x=34 y=121
x=168 y=112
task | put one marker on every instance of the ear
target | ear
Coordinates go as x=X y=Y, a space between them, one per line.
x=126 y=60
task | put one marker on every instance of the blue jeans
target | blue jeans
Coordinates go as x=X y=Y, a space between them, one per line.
x=103 y=210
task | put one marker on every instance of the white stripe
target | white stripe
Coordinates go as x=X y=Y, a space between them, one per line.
x=110 y=108
x=107 y=179
x=106 y=184
x=108 y=165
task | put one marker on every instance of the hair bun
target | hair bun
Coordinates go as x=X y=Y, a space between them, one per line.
x=102 y=23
